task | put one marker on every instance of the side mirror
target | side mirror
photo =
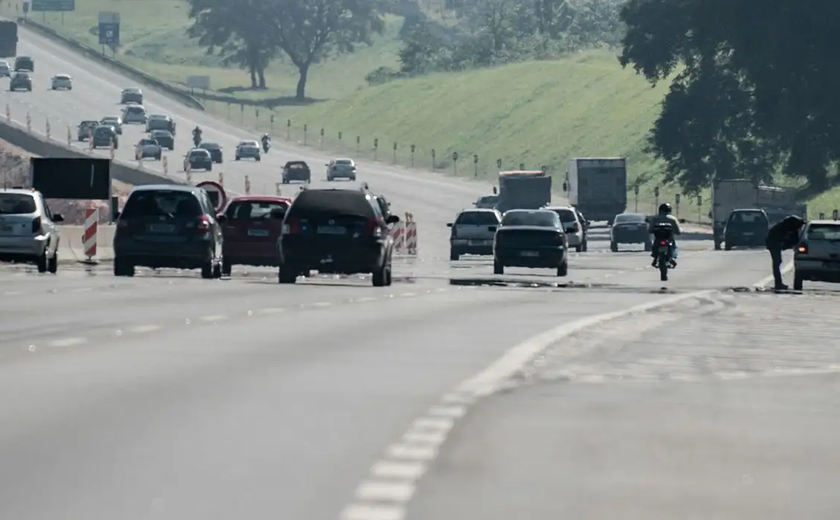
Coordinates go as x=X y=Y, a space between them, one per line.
x=58 y=217
x=493 y=228
x=392 y=219
x=221 y=218
x=449 y=225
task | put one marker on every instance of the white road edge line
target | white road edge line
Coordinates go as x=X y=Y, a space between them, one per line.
x=405 y=467
x=67 y=342
x=767 y=280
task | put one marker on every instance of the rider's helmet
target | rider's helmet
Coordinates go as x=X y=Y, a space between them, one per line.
x=664 y=209
x=196 y=129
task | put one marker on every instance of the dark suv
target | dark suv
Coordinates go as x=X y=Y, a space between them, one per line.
x=168 y=226
x=746 y=227
x=335 y=231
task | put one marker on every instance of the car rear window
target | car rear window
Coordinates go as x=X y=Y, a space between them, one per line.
x=161 y=203
x=637 y=218
x=531 y=218
x=210 y=146
x=477 y=218
x=16 y=204
x=198 y=153
x=748 y=218
x=344 y=162
x=254 y=210
x=296 y=165
x=331 y=202
x=566 y=215
x=824 y=232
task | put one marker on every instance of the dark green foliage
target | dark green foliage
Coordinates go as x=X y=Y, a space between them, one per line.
x=249 y=33
x=758 y=90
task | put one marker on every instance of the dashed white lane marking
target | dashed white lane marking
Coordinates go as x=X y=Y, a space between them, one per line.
x=321 y=304
x=66 y=342
x=12 y=293
x=215 y=317
x=140 y=329
x=405 y=464
x=365 y=299
x=272 y=310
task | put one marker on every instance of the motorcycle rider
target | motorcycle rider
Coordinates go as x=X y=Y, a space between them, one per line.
x=783 y=235
x=665 y=217
x=266 y=140
x=196 y=134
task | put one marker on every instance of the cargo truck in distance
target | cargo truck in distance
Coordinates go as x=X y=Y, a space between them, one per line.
x=523 y=189
x=731 y=194
x=8 y=39
x=597 y=186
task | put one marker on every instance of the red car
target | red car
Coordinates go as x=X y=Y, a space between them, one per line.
x=251 y=227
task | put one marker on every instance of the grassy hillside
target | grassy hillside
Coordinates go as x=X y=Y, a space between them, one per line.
x=153 y=39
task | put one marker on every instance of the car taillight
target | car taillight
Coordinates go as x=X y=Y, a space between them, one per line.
x=291 y=227
x=373 y=227
x=36 y=225
x=203 y=225
x=802 y=249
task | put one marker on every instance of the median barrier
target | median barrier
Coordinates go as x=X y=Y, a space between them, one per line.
x=95 y=54
x=16 y=134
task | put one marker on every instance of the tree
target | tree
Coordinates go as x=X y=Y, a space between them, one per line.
x=757 y=87
x=240 y=32
x=309 y=30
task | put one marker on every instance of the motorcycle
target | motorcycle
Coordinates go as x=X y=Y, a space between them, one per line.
x=266 y=145
x=664 y=236
x=196 y=139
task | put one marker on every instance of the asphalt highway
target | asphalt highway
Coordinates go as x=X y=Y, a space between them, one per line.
x=165 y=396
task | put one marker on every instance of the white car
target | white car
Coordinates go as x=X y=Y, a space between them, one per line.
x=341 y=169
x=5 y=69
x=247 y=149
x=62 y=82
x=817 y=257
x=573 y=226
x=473 y=232
x=148 y=148
x=134 y=114
x=28 y=230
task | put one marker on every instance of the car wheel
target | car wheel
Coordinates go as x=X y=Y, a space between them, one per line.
x=797 y=281
x=585 y=246
x=390 y=278
x=210 y=167
x=52 y=263
x=579 y=248
x=122 y=268
x=286 y=275
x=217 y=271
x=41 y=263
x=380 y=277
x=498 y=268
x=285 y=180
x=648 y=246
x=614 y=247
x=453 y=255
x=259 y=159
x=236 y=158
x=563 y=270
x=207 y=271
x=227 y=268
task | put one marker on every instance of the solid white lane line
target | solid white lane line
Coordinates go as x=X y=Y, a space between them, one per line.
x=215 y=317
x=66 y=342
x=140 y=329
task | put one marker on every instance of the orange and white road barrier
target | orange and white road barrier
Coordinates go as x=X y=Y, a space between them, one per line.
x=165 y=165
x=410 y=234
x=221 y=178
x=91 y=228
x=113 y=153
x=90 y=140
x=69 y=136
x=28 y=122
x=247 y=185
x=188 y=170
x=8 y=113
x=49 y=130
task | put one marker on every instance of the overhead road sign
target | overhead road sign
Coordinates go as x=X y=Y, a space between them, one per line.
x=63 y=6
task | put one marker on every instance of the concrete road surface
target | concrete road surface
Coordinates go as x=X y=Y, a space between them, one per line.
x=164 y=396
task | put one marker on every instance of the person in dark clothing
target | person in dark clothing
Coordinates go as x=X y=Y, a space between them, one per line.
x=783 y=235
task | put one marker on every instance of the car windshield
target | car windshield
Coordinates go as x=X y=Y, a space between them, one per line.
x=135 y=110
x=16 y=204
x=110 y=120
x=248 y=143
x=161 y=133
x=344 y=162
x=148 y=141
x=624 y=218
x=254 y=210
x=566 y=215
x=531 y=218
x=824 y=232
x=198 y=153
x=322 y=203
x=477 y=218
x=210 y=146
x=157 y=203
x=157 y=116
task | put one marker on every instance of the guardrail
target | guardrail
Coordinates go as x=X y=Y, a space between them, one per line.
x=24 y=136
x=179 y=94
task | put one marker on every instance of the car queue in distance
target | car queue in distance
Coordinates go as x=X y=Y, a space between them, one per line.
x=20 y=75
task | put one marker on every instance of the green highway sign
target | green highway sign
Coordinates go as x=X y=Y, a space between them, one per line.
x=40 y=6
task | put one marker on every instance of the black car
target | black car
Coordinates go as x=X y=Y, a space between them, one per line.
x=198 y=159
x=24 y=63
x=103 y=136
x=164 y=138
x=160 y=122
x=746 y=228
x=215 y=150
x=296 y=171
x=630 y=228
x=85 y=129
x=21 y=81
x=132 y=95
x=336 y=232
x=168 y=226
x=530 y=238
